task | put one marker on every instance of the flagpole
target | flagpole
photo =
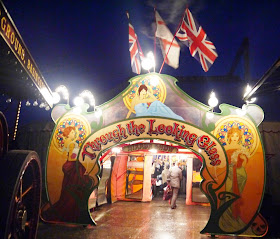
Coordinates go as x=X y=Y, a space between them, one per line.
x=155 y=40
x=172 y=42
x=127 y=14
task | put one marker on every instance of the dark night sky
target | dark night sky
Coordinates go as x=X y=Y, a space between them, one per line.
x=84 y=44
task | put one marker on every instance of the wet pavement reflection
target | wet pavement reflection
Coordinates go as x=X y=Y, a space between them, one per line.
x=137 y=220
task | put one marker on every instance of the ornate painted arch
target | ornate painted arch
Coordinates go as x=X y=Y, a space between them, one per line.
x=233 y=157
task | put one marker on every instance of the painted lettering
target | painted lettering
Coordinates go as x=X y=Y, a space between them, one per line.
x=151 y=124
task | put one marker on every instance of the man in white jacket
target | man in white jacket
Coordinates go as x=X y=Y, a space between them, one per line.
x=175 y=176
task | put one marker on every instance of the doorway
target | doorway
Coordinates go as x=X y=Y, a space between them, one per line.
x=140 y=169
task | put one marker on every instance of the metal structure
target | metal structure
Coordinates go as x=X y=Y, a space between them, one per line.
x=20 y=171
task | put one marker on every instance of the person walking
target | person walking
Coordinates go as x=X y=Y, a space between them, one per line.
x=175 y=176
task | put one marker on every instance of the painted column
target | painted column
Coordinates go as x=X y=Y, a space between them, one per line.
x=189 y=181
x=147 y=196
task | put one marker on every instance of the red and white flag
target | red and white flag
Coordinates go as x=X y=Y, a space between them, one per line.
x=134 y=52
x=166 y=37
x=201 y=48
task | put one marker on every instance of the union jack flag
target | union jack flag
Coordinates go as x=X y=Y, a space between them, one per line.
x=201 y=48
x=134 y=52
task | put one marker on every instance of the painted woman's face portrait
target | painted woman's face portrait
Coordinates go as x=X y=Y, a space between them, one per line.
x=143 y=92
x=234 y=138
x=72 y=135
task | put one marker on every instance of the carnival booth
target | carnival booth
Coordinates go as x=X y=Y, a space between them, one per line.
x=110 y=151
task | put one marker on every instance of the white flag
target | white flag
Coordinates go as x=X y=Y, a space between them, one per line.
x=165 y=37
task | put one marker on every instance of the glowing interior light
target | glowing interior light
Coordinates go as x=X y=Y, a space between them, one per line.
x=209 y=115
x=116 y=150
x=213 y=101
x=27 y=103
x=78 y=101
x=9 y=100
x=47 y=108
x=154 y=151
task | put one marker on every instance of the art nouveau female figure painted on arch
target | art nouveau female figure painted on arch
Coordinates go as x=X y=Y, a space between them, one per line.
x=238 y=157
x=67 y=209
x=156 y=108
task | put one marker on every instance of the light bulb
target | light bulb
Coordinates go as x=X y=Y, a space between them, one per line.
x=79 y=101
x=42 y=105
x=147 y=64
x=247 y=90
x=56 y=97
x=213 y=101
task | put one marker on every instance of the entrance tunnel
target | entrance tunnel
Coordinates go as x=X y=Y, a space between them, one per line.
x=137 y=171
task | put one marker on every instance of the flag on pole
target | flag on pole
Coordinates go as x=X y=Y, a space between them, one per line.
x=200 y=46
x=134 y=52
x=168 y=43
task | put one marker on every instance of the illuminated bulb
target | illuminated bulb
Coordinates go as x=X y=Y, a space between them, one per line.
x=146 y=64
x=42 y=105
x=247 y=90
x=8 y=100
x=27 y=103
x=213 y=101
x=78 y=101
x=56 y=97
x=64 y=91
x=149 y=61
x=251 y=100
x=89 y=95
x=35 y=103
x=65 y=95
x=47 y=108
x=92 y=102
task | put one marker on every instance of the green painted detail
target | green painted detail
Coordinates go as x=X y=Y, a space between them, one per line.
x=96 y=126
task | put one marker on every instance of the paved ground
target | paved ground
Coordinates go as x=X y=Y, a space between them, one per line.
x=137 y=220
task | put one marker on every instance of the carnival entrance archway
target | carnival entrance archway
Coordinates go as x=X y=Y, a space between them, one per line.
x=233 y=172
